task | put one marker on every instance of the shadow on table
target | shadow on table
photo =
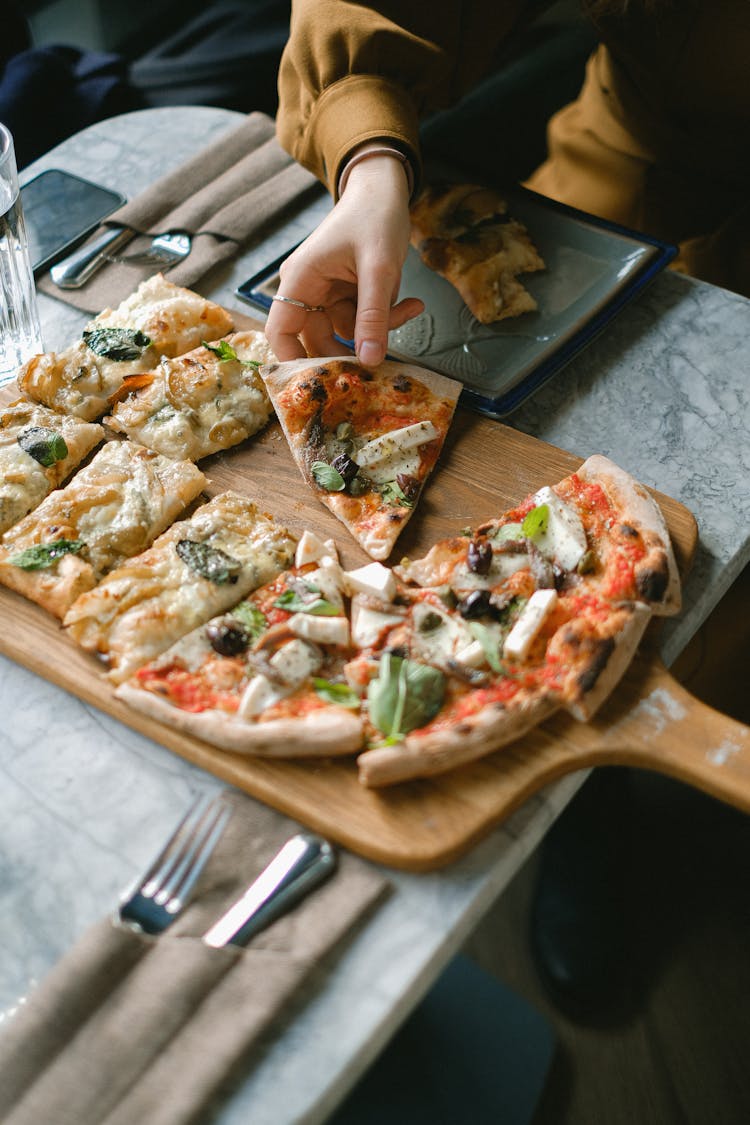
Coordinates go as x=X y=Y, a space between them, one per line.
x=473 y=1051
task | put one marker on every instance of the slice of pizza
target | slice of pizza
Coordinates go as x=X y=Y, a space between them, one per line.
x=207 y=400
x=364 y=440
x=39 y=449
x=541 y=608
x=111 y=509
x=266 y=677
x=464 y=233
x=198 y=568
x=159 y=319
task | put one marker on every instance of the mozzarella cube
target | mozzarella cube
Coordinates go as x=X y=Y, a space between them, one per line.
x=374 y=579
x=472 y=656
x=533 y=615
x=324 y=630
x=368 y=624
x=309 y=549
x=329 y=579
x=295 y=661
x=397 y=441
x=259 y=694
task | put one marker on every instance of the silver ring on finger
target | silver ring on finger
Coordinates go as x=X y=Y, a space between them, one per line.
x=299 y=304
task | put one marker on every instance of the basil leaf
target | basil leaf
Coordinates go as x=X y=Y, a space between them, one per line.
x=509 y=531
x=340 y=694
x=291 y=601
x=120 y=344
x=536 y=521
x=46 y=446
x=209 y=562
x=325 y=476
x=252 y=618
x=224 y=350
x=393 y=494
x=404 y=695
x=42 y=555
x=489 y=642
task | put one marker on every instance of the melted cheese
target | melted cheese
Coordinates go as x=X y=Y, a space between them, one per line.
x=564 y=539
x=199 y=403
x=80 y=382
x=393 y=443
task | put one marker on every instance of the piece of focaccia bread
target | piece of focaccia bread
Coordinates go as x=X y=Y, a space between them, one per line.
x=199 y=403
x=39 y=449
x=198 y=568
x=464 y=233
x=112 y=508
x=159 y=319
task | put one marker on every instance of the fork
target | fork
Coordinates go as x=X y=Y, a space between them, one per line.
x=154 y=900
x=165 y=249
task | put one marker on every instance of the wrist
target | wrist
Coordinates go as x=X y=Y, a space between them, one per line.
x=369 y=153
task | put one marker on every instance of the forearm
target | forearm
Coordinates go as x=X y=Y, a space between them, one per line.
x=354 y=72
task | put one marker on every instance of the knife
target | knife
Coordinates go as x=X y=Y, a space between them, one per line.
x=75 y=270
x=303 y=862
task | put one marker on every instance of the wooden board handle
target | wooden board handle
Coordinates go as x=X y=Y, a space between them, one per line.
x=655 y=723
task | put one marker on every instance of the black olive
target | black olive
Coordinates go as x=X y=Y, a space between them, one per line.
x=479 y=556
x=344 y=465
x=409 y=485
x=475 y=604
x=228 y=639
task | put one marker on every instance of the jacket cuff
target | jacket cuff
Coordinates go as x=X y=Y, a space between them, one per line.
x=356 y=109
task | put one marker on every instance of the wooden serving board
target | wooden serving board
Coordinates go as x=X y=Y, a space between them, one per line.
x=485 y=468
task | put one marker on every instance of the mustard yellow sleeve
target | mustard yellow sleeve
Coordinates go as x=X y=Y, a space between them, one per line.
x=353 y=72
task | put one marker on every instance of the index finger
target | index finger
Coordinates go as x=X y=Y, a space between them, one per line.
x=283 y=328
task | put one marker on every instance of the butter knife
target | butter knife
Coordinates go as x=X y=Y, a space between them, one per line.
x=303 y=863
x=75 y=270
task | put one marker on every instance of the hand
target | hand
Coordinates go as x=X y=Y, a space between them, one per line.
x=351 y=264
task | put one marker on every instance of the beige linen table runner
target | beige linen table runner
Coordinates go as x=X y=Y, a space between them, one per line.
x=130 y=1028
x=229 y=194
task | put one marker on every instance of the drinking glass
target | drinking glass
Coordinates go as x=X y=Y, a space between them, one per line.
x=20 y=334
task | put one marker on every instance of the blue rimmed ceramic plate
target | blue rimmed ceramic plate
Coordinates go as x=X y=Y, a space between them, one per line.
x=593 y=269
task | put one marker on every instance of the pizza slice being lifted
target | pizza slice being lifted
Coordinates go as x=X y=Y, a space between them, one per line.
x=364 y=440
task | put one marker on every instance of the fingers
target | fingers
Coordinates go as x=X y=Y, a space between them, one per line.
x=283 y=328
x=374 y=300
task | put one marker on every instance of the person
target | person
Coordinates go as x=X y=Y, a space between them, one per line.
x=657 y=140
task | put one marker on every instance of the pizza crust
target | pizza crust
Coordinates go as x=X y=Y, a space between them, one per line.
x=636 y=505
x=325 y=733
x=442 y=750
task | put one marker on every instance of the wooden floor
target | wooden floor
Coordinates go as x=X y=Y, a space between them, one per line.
x=681 y=1054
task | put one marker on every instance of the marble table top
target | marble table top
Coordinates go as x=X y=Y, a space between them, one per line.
x=86 y=801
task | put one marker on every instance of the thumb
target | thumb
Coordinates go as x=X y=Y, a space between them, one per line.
x=371 y=326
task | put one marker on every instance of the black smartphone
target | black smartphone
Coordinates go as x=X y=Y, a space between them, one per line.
x=60 y=209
